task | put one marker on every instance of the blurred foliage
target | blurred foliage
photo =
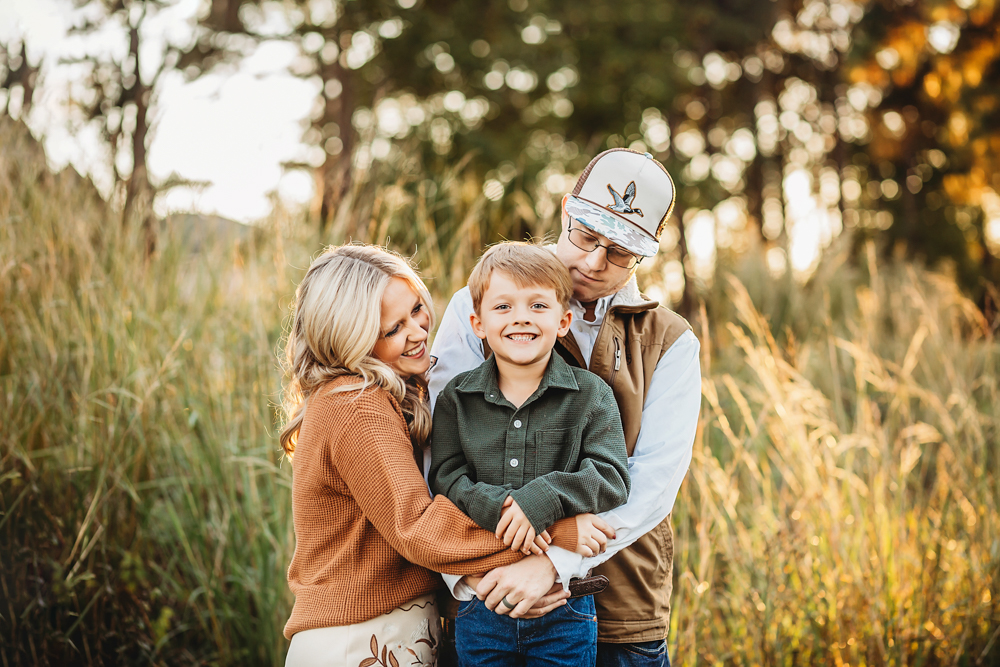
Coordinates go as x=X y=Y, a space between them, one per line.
x=799 y=119
x=20 y=78
x=784 y=123
x=937 y=129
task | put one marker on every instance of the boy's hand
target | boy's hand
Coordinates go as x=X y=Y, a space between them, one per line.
x=541 y=543
x=515 y=529
x=592 y=534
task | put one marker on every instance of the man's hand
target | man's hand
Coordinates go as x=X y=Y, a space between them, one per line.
x=592 y=534
x=553 y=599
x=522 y=585
x=517 y=532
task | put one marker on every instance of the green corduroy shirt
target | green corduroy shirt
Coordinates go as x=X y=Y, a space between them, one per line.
x=560 y=454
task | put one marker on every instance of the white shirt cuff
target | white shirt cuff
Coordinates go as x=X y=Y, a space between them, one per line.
x=569 y=565
x=460 y=590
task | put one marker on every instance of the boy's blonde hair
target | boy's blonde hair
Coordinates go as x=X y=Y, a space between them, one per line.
x=527 y=264
x=336 y=322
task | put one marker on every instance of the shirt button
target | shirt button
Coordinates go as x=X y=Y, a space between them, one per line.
x=517 y=424
x=513 y=463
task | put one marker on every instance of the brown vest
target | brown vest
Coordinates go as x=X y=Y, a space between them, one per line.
x=633 y=337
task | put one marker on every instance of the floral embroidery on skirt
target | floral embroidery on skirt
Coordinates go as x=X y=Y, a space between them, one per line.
x=407 y=636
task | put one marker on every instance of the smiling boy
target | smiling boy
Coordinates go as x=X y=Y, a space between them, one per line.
x=523 y=441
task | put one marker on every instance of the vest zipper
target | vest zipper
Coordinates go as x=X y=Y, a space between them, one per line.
x=618 y=362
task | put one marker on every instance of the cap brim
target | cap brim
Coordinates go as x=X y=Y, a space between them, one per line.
x=611 y=226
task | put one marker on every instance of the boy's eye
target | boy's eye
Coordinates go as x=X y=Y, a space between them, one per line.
x=539 y=306
x=501 y=306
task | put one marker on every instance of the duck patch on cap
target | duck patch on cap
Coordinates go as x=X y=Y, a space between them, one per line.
x=624 y=204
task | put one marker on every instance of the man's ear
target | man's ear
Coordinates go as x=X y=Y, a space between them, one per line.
x=477 y=326
x=564 y=323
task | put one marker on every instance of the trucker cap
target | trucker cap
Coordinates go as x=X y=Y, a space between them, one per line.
x=625 y=196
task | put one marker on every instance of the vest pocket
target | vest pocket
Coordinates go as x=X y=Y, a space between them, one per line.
x=557 y=449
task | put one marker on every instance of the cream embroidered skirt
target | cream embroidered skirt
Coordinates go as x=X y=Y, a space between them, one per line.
x=407 y=635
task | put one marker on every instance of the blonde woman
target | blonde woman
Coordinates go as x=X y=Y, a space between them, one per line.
x=368 y=537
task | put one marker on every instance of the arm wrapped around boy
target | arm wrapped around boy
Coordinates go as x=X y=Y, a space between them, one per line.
x=560 y=454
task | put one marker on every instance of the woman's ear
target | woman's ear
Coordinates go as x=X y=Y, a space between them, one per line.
x=477 y=326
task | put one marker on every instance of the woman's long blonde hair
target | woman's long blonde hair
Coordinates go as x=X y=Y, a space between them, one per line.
x=336 y=322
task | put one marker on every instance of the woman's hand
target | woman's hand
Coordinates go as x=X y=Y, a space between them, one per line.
x=592 y=534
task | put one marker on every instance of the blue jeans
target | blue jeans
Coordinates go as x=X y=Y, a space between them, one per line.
x=640 y=654
x=566 y=636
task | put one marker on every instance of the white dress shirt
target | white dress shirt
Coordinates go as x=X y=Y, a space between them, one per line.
x=584 y=332
x=662 y=452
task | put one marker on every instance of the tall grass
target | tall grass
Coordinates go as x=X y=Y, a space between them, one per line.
x=841 y=505
x=145 y=517
x=839 y=508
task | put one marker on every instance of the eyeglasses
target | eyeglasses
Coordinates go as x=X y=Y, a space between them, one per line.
x=588 y=242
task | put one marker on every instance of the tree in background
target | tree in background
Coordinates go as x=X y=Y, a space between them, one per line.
x=124 y=61
x=932 y=162
x=532 y=90
x=18 y=79
x=783 y=123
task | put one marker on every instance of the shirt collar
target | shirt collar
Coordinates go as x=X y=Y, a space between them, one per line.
x=600 y=309
x=486 y=379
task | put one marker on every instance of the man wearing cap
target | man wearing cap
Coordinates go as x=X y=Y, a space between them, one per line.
x=649 y=356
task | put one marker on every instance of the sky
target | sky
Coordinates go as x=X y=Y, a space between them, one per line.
x=231 y=130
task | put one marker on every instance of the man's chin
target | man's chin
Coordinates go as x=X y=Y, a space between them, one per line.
x=587 y=293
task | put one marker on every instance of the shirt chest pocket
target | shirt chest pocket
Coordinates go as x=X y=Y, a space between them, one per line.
x=557 y=450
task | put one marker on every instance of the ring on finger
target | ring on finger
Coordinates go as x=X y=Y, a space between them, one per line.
x=507 y=604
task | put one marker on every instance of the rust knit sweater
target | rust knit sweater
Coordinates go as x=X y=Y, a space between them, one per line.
x=366 y=529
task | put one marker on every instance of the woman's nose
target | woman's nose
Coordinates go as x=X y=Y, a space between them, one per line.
x=418 y=331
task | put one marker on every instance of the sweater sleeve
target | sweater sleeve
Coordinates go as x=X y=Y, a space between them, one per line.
x=452 y=475
x=599 y=484
x=374 y=458
x=564 y=534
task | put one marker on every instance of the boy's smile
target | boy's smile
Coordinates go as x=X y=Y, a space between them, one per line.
x=520 y=324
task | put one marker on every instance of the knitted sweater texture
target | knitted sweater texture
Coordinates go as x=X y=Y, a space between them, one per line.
x=367 y=534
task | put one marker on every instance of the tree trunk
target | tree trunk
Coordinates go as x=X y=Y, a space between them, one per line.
x=686 y=307
x=336 y=177
x=138 y=194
